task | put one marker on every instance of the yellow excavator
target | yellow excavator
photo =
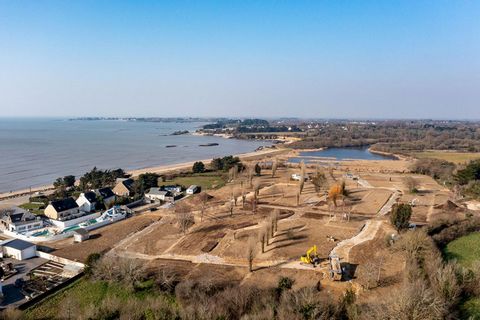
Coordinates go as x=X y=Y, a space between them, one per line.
x=332 y=265
x=311 y=257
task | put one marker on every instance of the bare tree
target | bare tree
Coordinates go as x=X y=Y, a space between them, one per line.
x=411 y=184
x=231 y=174
x=301 y=185
x=251 y=253
x=184 y=217
x=230 y=207
x=262 y=237
x=254 y=205
x=371 y=271
x=256 y=187
x=271 y=225
x=274 y=167
x=319 y=181
x=203 y=201
x=250 y=174
x=275 y=217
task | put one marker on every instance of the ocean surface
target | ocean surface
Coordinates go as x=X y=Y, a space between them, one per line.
x=341 y=154
x=34 y=152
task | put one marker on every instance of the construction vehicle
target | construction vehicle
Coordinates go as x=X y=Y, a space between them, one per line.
x=335 y=270
x=311 y=257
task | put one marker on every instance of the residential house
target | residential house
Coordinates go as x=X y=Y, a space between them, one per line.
x=87 y=201
x=157 y=194
x=172 y=188
x=124 y=187
x=107 y=195
x=62 y=210
x=19 y=220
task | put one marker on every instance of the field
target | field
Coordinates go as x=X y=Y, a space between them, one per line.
x=82 y=294
x=455 y=157
x=205 y=180
x=466 y=249
x=35 y=208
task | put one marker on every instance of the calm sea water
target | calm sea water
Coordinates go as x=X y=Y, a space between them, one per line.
x=35 y=152
x=342 y=154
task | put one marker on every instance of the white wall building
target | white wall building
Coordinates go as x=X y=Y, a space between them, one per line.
x=87 y=201
x=18 y=249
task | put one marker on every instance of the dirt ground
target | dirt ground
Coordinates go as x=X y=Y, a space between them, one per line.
x=102 y=239
x=217 y=244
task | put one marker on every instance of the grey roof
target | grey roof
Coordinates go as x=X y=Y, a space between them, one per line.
x=64 y=204
x=159 y=192
x=106 y=193
x=18 y=244
x=81 y=231
x=128 y=183
x=90 y=196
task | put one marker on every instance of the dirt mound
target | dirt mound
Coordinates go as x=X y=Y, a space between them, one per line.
x=449 y=205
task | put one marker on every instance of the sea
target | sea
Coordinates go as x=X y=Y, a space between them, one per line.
x=34 y=152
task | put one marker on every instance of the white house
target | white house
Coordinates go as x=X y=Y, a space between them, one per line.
x=193 y=189
x=19 y=220
x=156 y=194
x=18 y=249
x=87 y=201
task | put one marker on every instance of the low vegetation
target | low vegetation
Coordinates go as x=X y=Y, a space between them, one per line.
x=465 y=250
x=206 y=180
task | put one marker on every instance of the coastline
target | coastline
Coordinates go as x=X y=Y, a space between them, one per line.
x=157 y=169
x=389 y=154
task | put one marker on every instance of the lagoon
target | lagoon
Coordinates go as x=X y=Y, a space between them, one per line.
x=341 y=154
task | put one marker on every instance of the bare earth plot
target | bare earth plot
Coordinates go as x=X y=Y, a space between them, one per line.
x=102 y=239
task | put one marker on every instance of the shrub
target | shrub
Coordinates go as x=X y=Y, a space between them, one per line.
x=90 y=262
x=400 y=216
x=198 y=167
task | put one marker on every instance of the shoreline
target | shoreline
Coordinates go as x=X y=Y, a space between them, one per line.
x=156 y=169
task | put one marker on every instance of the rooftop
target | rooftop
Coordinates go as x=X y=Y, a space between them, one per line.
x=18 y=244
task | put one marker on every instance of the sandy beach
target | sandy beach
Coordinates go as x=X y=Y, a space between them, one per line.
x=158 y=169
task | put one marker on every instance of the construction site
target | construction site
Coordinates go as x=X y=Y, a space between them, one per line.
x=258 y=228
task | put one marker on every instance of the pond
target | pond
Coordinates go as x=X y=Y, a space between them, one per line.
x=341 y=154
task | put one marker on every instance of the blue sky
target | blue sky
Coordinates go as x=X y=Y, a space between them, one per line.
x=340 y=59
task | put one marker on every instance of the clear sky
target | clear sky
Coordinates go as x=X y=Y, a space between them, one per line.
x=368 y=59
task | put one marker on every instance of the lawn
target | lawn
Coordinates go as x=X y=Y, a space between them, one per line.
x=471 y=308
x=84 y=292
x=455 y=157
x=210 y=180
x=35 y=208
x=465 y=249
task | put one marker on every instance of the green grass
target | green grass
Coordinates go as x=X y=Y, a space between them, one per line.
x=455 y=157
x=465 y=249
x=35 y=208
x=210 y=180
x=85 y=293
x=471 y=308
